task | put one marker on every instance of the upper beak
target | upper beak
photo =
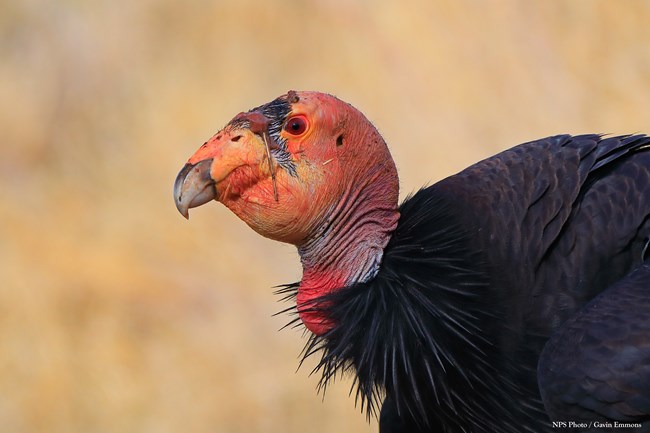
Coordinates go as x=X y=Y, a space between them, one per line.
x=194 y=186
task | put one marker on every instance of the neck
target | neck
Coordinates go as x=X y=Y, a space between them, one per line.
x=426 y=324
x=346 y=248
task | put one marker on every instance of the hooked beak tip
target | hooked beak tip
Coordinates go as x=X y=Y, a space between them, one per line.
x=184 y=210
x=194 y=186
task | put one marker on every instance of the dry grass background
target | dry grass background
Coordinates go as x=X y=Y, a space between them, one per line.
x=117 y=315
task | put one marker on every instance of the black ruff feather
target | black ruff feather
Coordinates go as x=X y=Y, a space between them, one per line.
x=403 y=333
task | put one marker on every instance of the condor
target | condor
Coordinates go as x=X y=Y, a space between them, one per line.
x=500 y=299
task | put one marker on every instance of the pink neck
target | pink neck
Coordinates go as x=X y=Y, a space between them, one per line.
x=347 y=247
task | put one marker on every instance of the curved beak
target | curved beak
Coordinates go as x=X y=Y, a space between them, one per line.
x=194 y=186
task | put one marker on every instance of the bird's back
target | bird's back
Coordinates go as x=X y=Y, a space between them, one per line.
x=559 y=220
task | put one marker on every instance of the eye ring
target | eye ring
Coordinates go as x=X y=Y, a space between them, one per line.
x=296 y=125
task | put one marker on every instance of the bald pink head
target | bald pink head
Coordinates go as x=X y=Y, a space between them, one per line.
x=310 y=170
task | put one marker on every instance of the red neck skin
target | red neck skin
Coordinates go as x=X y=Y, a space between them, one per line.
x=347 y=247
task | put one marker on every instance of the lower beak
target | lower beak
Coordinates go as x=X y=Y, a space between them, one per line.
x=194 y=186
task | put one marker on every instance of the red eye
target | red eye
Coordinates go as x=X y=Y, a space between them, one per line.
x=296 y=125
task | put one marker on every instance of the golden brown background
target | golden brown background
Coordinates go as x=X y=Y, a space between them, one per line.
x=117 y=315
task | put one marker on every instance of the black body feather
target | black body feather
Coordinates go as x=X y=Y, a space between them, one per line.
x=483 y=268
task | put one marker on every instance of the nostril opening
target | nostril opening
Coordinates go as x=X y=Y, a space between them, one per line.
x=235 y=138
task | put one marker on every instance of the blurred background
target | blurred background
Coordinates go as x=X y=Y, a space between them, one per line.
x=116 y=314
